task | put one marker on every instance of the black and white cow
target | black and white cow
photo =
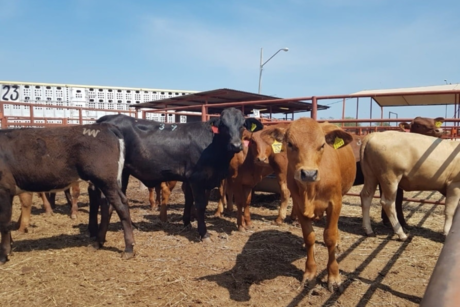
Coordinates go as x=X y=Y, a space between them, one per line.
x=51 y=159
x=196 y=153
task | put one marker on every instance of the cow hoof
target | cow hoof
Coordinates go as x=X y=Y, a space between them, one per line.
x=241 y=228
x=371 y=234
x=48 y=213
x=218 y=215
x=3 y=259
x=23 y=230
x=93 y=246
x=335 y=286
x=403 y=238
x=127 y=255
x=308 y=283
x=73 y=216
x=206 y=240
x=278 y=222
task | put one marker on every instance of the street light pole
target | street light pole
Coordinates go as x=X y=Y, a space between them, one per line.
x=262 y=64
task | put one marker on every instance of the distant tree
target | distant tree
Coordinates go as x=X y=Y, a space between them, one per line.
x=351 y=124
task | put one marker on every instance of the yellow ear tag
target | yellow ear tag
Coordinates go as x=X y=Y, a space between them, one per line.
x=438 y=124
x=338 y=142
x=277 y=146
x=253 y=127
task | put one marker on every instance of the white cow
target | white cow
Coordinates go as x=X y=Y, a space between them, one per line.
x=417 y=163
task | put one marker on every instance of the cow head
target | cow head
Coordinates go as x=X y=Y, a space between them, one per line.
x=229 y=128
x=305 y=142
x=425 y=126
x=264 y=143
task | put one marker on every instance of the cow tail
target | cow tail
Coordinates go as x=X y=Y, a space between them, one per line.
x=366 y=167
x=122 y=151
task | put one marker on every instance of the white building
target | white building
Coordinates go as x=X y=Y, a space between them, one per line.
x=99 y=99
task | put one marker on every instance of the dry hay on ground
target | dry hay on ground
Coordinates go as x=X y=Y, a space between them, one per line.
x=52 y=266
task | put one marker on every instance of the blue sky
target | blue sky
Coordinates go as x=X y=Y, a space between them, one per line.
x=335 y=46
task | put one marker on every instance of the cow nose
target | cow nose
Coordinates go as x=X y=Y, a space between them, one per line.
x=261 y=159
x=308 y=175
x=236 y=146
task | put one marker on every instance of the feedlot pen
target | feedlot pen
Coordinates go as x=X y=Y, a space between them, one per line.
x=52 y=266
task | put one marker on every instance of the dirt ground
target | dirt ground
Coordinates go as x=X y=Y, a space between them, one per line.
x=52 y=266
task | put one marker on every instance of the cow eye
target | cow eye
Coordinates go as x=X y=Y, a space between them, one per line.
x=322 y=146
x=289 y=144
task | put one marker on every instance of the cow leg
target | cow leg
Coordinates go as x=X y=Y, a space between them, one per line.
x=72 y=199
x=388 y=202
x=230 y=197
x=154 y=201
x=309 y=275
x=46 y=204
x=243 y=201
x=201 y=196
x=186 y=217
x=247 y=196
x=285 y=194
x=331 y=239
x=452 y=198
x=94 y=203
x=26 y=208
x=6 y=204
x=222 y=199
x=399 y=211
x=118 y=200
x=51 y=197
x=166 y=188
x=367 y=193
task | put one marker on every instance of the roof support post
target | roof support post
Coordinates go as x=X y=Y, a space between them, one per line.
x=203 y=113
x=343 y=111
x=314 y=108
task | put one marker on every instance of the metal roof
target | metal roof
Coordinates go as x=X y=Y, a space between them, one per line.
x=414 y=96
x=225 y=95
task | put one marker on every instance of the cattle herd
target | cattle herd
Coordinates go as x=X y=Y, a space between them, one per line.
x=315 y=164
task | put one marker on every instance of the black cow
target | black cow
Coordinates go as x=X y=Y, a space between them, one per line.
x=51 y=159
x=196 y=153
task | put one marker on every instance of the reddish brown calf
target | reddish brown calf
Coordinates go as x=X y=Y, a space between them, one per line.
x=318 y=175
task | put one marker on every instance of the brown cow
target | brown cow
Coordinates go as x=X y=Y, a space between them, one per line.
x=248 y=168
x=318 y=176
x=164 y=190
x=48 y=200
x=51 y=159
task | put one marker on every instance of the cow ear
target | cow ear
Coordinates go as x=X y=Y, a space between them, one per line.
x=253 y=125
x=215 y=121
x=338 y=138
x=438 y=121
x=247 y=136
x=278 y=133
x=404 y=126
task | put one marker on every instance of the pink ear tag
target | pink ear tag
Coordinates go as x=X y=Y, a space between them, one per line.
x=406 y=130
x=215 y=129
x=246 y=143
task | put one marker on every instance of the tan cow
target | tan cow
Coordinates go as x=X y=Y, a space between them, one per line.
x=417 y=163
x=318 y=175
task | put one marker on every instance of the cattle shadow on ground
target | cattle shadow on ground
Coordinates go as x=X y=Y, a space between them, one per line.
x=56 y=242
x=377 y=282
x=266 y=255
